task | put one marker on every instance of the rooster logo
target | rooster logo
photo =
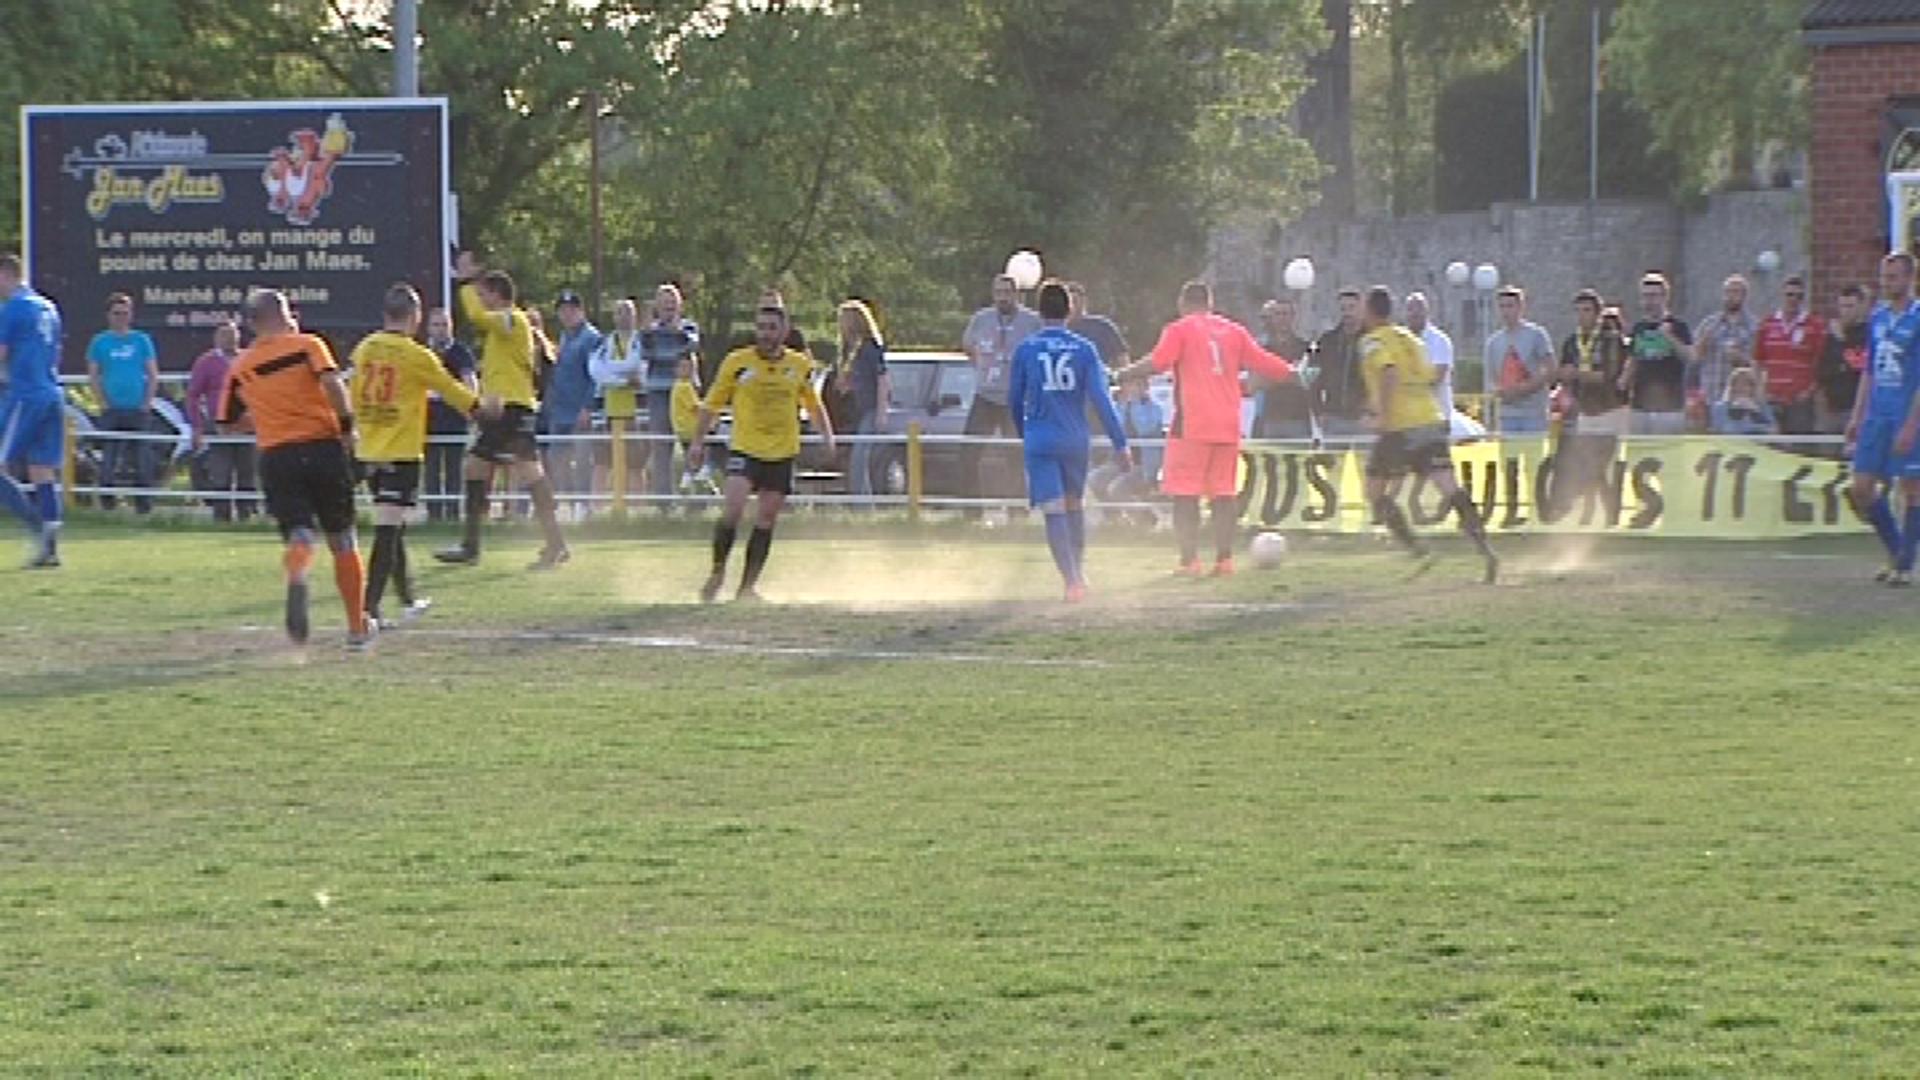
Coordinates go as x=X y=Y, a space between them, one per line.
x=299 y=176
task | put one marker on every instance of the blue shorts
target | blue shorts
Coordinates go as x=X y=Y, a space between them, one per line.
x=32 y=431
x=1051 y=477
x=1874 y=455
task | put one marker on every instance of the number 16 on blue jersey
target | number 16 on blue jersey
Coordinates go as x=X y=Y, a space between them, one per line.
x=1056 y=375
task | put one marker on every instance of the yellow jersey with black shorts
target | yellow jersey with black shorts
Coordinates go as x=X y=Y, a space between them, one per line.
x=392 y=375
x=766 y=396
x=1413 y=435
x=507 y=357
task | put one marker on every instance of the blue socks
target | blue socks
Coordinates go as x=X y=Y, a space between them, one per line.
x=1880 y=516
x=14 y=497
x=1909 y=540
x=1077 y=534
x=1060 y=542
x=48 y=495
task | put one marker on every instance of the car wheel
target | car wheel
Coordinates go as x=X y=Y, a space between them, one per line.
x=889 y=467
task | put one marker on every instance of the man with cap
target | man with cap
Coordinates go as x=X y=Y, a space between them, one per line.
x=568 y=408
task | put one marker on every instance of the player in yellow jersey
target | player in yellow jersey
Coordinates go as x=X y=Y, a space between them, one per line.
x=392 y=374
x=507 y=359
x=1413 y=436
x=766 y=383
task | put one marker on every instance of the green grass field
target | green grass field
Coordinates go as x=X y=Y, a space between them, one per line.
x=1645 y=810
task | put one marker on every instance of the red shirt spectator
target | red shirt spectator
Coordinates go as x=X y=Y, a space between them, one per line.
x=1788 y=347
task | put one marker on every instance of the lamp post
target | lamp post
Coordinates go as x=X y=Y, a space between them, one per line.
x=1486 y=278
x=1458 y=273
x=1765 y=266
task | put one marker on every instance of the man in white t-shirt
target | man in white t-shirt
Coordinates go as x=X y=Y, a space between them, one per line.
x=1439 y=349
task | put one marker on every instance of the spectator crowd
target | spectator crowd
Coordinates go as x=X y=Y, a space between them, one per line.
x=1622 y=367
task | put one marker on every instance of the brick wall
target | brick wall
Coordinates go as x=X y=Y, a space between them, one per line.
x=1851 y=85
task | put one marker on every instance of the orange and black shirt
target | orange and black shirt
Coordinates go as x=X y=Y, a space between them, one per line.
x=276 y=381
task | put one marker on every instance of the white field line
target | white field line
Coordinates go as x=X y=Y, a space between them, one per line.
x=688 y=644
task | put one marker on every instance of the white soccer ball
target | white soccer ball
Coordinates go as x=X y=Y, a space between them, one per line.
x=1024 y=268
x=1267 y=549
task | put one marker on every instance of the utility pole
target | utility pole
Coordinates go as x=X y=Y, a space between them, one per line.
x=406 y=49
x=593 y=198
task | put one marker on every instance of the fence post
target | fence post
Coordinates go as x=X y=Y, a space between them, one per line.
x=915 y=479
x=617 y=464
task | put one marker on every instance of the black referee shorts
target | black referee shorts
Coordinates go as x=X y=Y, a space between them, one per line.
x=309 y=485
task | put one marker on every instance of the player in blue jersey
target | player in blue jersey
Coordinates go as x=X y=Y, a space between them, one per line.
x=1056 y=375
x=32 y=410
x=1886 y=419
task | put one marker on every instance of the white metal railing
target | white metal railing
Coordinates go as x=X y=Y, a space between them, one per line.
x=812 y=485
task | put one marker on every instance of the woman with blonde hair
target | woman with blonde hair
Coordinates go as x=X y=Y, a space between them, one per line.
x=863 y=377
x=1742 y=408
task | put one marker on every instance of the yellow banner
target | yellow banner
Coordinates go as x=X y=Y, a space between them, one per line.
x=1696 y=486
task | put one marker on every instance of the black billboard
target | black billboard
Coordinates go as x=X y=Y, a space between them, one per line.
x=186 y=206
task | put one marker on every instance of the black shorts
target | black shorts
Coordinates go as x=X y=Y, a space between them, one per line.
x=762 y=475
x=392 y=483
x=1419 y=451
x=507 y=438
x=309 y=485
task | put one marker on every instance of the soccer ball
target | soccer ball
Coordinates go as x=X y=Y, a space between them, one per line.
x=1267 y=549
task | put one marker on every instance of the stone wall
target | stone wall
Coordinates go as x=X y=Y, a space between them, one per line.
x=1551 y=249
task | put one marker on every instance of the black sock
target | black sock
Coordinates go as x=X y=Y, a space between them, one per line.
x=1388 y=513
x=543 y=510
x=476 y=513
x=723 y=535
x=1186 y=527
x=1470 y=522
x=759 y=542
x=386 y=538
x=402 y=580
x=1226 y=526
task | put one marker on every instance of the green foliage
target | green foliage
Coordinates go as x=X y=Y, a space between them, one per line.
x=1127 y=129
x=898 y=149
x=1407 y=54
x=1480 y=130
x=1717 y=83
x=153 y=50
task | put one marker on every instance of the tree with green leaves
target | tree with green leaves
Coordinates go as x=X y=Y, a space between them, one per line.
x=1408 y=52
x=1716 y=81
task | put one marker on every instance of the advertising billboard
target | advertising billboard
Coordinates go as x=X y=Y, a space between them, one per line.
x=184 y=207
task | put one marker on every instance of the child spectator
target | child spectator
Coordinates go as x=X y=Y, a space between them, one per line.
x=1141 y=418
x=686 y=420
x=1742 y=409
